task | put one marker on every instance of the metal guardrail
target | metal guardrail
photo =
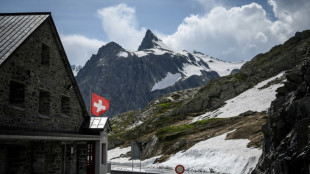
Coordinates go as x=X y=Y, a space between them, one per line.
x=113 y=171
x=129 y=172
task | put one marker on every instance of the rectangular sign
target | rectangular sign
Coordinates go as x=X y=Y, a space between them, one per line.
x=136 y=150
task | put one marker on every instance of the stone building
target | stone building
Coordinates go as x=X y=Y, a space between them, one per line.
x=44 y=125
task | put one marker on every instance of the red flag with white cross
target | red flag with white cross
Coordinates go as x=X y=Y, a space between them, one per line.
x=99 y=105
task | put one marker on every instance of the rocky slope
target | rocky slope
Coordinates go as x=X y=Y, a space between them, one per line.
x=166 y=126
x=263 y=66
x=286 y=135
x=130 y=80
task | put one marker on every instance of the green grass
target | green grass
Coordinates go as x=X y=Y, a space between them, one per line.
x=173 y=129
x=126 y=121
x=184 y=128
x=165 y=105
x=207 y=121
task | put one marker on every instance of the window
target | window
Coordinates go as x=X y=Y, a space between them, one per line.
x=90 y=157
x=17 y=93
x=65 y=105
x=44 y=103
x=103 y=154
x=45 y=55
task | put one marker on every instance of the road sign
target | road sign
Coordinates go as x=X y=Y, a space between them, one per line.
x=136 y=150
x=179 y=169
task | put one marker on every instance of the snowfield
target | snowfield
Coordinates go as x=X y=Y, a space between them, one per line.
x=212 y=155
x=217 y=155
x=169 y=80
x=253 y=99
x=221 y=67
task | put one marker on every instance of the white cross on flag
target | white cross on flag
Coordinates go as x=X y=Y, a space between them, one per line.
x=99 y=105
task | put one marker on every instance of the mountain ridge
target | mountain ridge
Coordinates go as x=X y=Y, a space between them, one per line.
x=130 y=80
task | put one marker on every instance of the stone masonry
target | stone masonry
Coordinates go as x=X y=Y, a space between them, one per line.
x=39 y=97
x=25 y=67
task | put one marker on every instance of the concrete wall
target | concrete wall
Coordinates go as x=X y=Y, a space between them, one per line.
x=25 y=66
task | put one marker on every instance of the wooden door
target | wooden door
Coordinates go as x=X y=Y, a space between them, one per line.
x=90 y=159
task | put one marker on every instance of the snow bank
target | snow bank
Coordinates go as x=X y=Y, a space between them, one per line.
x=169 y=80
x=253 y=99
x=115 y=154
x=221 y=67
x=217 y=155
x=212 y=155
x=119 y=162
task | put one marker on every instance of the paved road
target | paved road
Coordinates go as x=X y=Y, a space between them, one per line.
x=150 y=170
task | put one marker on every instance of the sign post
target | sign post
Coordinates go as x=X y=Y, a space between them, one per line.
x=136 y=152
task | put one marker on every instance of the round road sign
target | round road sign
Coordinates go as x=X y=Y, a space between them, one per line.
x=179 y=169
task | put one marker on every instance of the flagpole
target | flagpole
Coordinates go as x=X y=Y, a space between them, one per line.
x=90 y=94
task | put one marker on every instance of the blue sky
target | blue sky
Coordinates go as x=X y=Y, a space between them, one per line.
x=229 y=30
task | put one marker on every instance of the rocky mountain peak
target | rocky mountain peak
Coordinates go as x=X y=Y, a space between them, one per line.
x=112 y=46
x=149 y=41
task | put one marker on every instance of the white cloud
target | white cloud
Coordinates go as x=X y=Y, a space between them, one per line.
x=227 y=33
x=230 y=34
x=240 y=32
x=80 y=48
x=292 y=16
x=121 y=26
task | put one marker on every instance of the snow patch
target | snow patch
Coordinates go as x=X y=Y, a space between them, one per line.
x=159 y=51
x=190 y=69
x=140 y=53
x=221 y=67
x=169 y=80
x=116 y=153
x=217 y=155
x=253 y=99
x=119 y=162
x=135 y=125
x=76 y=69
x=122 y=54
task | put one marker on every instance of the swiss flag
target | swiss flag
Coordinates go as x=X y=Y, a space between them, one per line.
x=99 y=105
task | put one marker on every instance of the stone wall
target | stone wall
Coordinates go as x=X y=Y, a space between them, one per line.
x=50 y=78
x=42 y=157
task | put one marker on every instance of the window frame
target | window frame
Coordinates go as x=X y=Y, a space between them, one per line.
x=15 y=92
x=45 y=55
x=46 y=96
x=65 y=110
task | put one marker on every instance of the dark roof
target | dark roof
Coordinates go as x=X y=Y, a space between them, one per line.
x=15 y=28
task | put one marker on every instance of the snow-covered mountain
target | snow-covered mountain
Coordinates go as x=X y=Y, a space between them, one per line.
x=76 y=69
x=197 y=61
x=131 y=79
